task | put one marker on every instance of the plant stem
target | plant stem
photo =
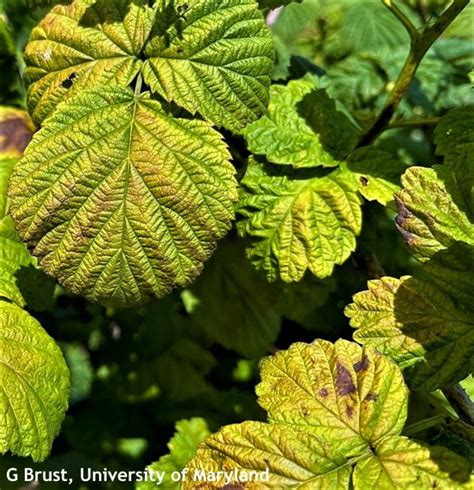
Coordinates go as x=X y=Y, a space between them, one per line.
x=424 y=424
x=461 y=403
x=407 y=23
x=422 y=9
x=420 y=44
x=419 y=121
x=139 y=85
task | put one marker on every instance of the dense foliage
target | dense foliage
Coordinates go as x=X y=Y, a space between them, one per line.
x=249 y=229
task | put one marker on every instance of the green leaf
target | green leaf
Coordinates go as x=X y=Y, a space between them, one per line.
x=335 y=415
x=454 y=137
x=376 y=173
x=303 y=127
x=35 y=383
x=331 y=122
x=13 y=257
x=282 y=60
x=82 y=372
x=298 y=223
x=119 y=199
x=303 y=220
x=83 y=45
x=293 y=19
x=7 y=43
x=251 y=323
x=356 y=82
x=369 y=27
x=462 y=24
x=215 y=58
x=282 y=135
x=189 y=434
x=273 y=4
x=419 y=326
x=172 y=362
x=34 y=4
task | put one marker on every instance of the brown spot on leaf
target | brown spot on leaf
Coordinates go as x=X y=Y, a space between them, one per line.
x=323 y=392
x=372 y=397
x=344 y=383
x=349 y=411
x=14 y=135
x=362 y=365
x=403 y=215
x=364 y=181
x=305 y=411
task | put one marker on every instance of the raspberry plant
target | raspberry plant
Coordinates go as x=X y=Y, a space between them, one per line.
x=304 y=141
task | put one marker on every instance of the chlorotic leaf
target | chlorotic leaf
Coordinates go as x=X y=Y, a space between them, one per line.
x=6 y=168
x=426 y=324
x=35 y=382
x=399 y=462
x=117 y=199
x=215 y=57
x=73 y=48
x=419 y=326
x=342 y=390
x=298 y=223
x=13 y=254
x=293 y=458
x=433 y=212
x=251 y=324
x=210 y=57
x=282 y=135
x=335 y=415
x=189 y=434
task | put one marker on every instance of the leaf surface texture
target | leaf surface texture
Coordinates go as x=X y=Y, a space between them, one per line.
x=118 y=199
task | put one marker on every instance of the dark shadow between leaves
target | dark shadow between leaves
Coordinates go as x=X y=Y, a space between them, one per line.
x=337 y=135
x=36 y=288
x=273 y=170
x=457 y=474
x=107 y=12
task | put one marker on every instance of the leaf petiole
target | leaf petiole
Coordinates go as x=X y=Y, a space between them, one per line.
x=420 y=44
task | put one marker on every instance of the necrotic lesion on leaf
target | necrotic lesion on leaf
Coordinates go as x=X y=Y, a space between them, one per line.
x=335 y=412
